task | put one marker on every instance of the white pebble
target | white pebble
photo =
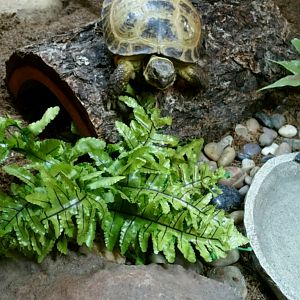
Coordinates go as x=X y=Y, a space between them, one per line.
x=288 y=131
x=248 y=164
x=248 y=179
x=270 y=149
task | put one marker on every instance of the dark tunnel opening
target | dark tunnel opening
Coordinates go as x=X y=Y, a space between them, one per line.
x=33 y=100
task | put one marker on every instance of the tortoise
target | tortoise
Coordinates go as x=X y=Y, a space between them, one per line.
x=161 y=38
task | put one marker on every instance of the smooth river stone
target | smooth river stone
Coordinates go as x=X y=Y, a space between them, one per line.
x=213 y=150
x=236 y=179
x=227 y=157
x=251 y=149
x=229 y=200
x=252 y=125
x=270 y=149
x=288 y=131
x=242 y=132
x=278 y=120
x=265 y=139
x=284 y=148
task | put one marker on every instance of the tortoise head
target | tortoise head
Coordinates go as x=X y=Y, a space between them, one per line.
x=160 y=72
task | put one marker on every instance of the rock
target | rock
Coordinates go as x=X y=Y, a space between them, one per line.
x=203 y=158
x=284 y=148
x=232 y=257
x=270 y=132
x=243 y=190
x=158 y=258
x=254 y=171
x=248 y=165
x=242 y=132
x=297 y=158
x=251 y=149
x=81 y=277
x=232 y=276
x=288 y=131
x=241 y=156
x=252 y=125
x=264 y=159
x=248 y=180
x=227 y=157
x=213 y=165
x=270 y=149
x=213 y=150
x=294 y=143
x=197 y=267
x=278 y=120
x=236 y=179
x=265 y=139
x=264 y=119
x=226 y=141
x=229 y=200
x=238 y=215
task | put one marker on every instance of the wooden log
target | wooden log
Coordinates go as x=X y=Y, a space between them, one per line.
x=240 y=37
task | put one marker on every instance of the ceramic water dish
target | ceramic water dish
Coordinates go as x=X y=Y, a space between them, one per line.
x=272 y=221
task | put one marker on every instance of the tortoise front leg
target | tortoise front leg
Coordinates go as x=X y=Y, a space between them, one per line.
x=118 y=81
x=193 y=74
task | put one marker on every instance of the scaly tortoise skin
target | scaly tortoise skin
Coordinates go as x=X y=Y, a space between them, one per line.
x=160 y=37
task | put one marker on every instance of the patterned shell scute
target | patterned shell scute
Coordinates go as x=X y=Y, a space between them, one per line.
x=168 y=27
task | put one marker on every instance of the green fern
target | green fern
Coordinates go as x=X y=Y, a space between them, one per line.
x=148 y=187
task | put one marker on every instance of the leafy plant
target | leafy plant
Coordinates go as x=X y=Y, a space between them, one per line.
x=292 y=66
x=148 y=187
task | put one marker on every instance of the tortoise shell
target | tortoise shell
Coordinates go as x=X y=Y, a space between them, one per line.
x=171 y=28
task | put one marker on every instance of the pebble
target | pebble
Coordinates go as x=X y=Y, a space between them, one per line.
x=213 y=150
x=237 y=216
x=227 y=157
x=212 y=165
x=278 y=120
x=248 y=180
x=264 y=159
x=264 y=119
x=270 y=149
x=226 y=141
x=232 y=257
x=244 y=190
x=242 y=132
x=237 y=176
x=241 y=156
x=248 y=165
x=270 y=132
x=284 y=148
x=265 y=139
x=294 y=143
x=254 y=171
x=251 y=149
x=232 y=276
x=196 y=266
x=158 y=259
x=203 y=158
x=252 y=125
x=288 y=131
x=229 y=200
